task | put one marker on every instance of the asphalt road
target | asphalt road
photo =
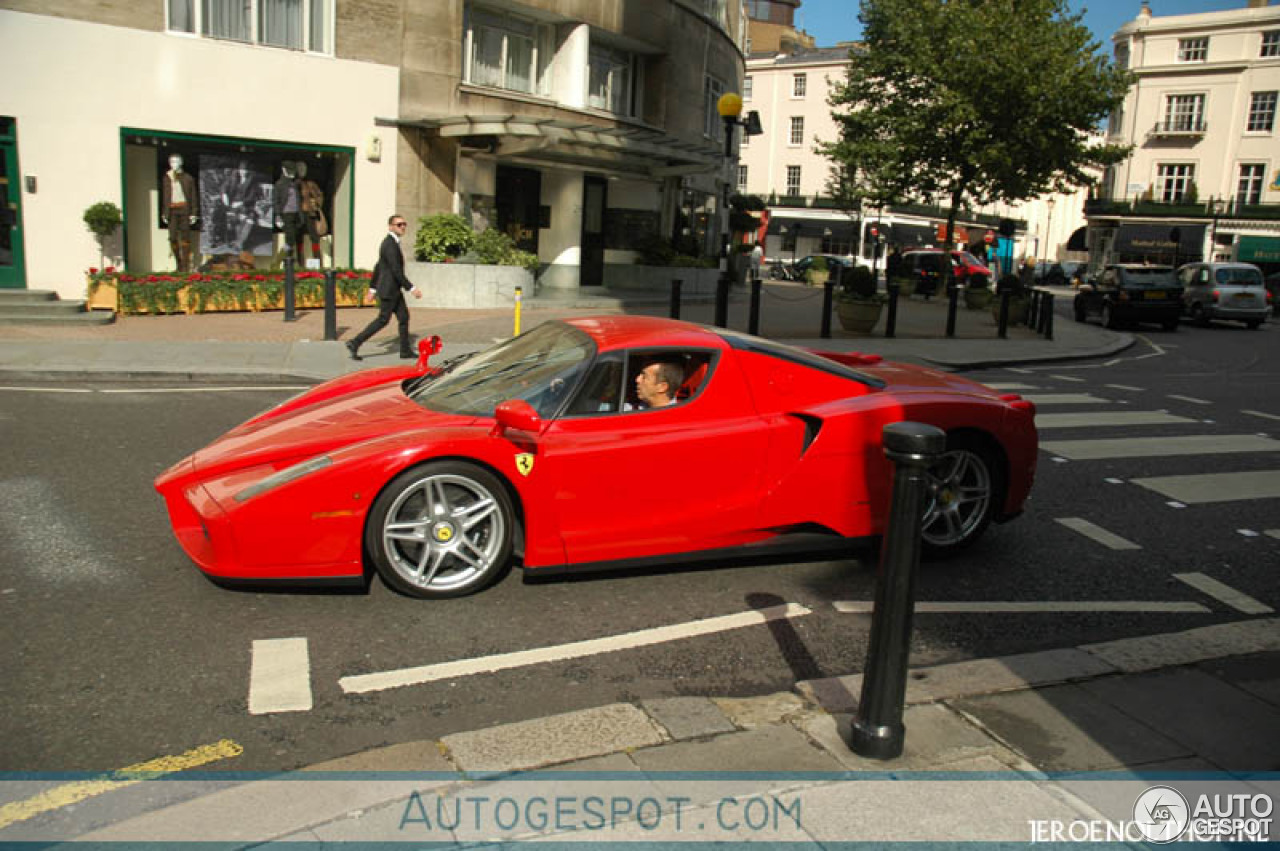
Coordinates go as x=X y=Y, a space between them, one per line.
x=118 y=651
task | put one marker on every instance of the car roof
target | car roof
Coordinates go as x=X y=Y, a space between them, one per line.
x=1140 y=267
x=625 y=332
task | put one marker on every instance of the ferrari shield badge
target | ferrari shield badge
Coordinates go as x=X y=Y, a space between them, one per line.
x=524 y=463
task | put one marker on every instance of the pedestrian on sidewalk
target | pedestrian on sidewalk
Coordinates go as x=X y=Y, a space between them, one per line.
x=389 y=282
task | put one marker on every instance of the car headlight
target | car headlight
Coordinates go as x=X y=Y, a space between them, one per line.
x=283 y=477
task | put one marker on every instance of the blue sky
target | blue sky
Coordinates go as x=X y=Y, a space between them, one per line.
x=830 y=21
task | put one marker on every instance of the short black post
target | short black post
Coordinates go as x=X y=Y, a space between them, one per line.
x=1048 y=316
x=753 y=317
x=676 y=284
x=1033 y=313
x=877 y=731
x=288 y=289
x=953 y=297
x=330 y=305
x=891 y=322
x=1003 y=328
x=828 y=293
x=722 y=300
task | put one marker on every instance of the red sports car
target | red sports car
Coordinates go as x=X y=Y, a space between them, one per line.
x=540 y=450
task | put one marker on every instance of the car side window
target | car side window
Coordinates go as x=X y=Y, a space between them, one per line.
x=602 y=392
x=1108 y=278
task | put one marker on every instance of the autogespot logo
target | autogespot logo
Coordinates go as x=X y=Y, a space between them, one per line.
x=1161 y=814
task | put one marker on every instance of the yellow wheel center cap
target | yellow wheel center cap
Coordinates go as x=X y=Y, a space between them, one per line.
x=443 y=533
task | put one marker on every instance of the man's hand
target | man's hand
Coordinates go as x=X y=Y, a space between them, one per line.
x=417 y=293
x=369 y=293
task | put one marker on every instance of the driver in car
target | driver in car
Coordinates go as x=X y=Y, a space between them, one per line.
x=657 y=383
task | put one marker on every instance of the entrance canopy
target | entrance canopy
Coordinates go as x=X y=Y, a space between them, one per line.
x=636 y=151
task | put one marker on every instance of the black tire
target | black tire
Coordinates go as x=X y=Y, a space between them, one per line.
x=441 y=529
x=1199 y=316
x=1171 y=326
x=1109 y=317
x=1253 y=324
x=965 y=488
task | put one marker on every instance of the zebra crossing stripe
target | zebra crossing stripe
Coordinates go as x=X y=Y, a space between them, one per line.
x=1154 y=447
x=1097 y=533
x=1108 y=418
x=280 y=676
x=1064 y=399
x=1215 y=487
x=1261 y=414
x=1237 y=600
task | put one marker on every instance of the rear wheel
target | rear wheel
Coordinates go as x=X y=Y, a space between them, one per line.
x=1252 y=324
x=1199 y=316
x=963 y=489
x=442 y=529
x=1109 y=317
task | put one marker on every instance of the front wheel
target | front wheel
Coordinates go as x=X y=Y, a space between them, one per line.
x=962 y=497
x=1109 y=317
x=442 y=529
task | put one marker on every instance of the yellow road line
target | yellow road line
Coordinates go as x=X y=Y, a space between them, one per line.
x=71 y=793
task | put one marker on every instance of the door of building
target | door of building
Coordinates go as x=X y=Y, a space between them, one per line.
x=12 y=271
x=517 y=205
x=593 y=206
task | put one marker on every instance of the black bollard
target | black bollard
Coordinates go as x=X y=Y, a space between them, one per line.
x=953 y=296
x=1048 y=316
x=877 y=731
x=1003 y=328
x=722 y=300
x=330 y=305
x=288 y=289
x=1033 y=312
x=676 y=284
x=828 y=291
x=753 y=317
x=891 y=322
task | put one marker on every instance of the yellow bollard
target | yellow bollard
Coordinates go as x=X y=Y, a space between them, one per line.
x=519 y=298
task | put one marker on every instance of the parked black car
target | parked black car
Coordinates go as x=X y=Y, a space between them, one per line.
x=1129 y=293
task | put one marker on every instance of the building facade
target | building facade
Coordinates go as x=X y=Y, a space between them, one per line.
x=1203 y=180
x=578 y=127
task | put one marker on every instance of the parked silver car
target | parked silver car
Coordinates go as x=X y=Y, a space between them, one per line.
x=1233 y=291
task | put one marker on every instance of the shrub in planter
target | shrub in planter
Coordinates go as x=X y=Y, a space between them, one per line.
x=817 y=274
x=442 y=237
x=495 y=248
x=102 y=219
x=858 y=303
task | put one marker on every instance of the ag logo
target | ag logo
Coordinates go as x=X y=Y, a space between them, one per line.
x=524 y=463
x=1161 y=814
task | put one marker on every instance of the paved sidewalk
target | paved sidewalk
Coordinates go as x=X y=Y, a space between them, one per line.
x=997 y=750
x=262 y=347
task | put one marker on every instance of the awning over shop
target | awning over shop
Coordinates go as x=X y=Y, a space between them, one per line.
x=634 y=150
x=1258 y=249
x=843 y=230
x=1079 y=240
x=911 y=236
x=1160 y=239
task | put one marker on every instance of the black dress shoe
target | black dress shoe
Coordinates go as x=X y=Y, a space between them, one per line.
x=351 y=348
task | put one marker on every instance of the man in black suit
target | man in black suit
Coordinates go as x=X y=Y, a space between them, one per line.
x=389 y=282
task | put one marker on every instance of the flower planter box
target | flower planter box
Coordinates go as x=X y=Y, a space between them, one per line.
x=859 y=317
x=976 y=298
x=160 y=294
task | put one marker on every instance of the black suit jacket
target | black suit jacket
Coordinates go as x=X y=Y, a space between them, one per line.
x=388 y=275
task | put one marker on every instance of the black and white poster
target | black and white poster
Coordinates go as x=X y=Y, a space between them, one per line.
x=235 y=205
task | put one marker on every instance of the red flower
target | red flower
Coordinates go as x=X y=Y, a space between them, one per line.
x=240 y=277
x=195 y=276
x=109 y=269
x=259 y=277
x=151 y=279
x=92 y=271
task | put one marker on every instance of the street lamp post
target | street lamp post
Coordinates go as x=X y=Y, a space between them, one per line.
x=1218 y=206
x=1048 y=228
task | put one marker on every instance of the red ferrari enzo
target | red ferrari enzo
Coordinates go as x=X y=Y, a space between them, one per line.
x=539 y=450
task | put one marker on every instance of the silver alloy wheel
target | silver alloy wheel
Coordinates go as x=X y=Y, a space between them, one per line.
x=959 y=499
x=444 y=532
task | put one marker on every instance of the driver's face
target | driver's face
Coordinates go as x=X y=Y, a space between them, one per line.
x=648 y=387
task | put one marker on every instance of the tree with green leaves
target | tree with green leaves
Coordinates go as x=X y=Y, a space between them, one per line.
x=974 y=100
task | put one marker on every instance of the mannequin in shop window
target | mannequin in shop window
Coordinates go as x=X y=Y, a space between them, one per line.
x=312 y=209
x=288 y=203
x=178 y=210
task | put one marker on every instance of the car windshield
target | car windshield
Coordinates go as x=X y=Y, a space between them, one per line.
x=1156 y=276
x=969 y=260
x=541 y=367
x=1240 y=276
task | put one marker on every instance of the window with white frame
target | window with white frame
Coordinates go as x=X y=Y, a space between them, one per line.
x=292 y=24
x=742 y=178
x=1249 y=186
x=712 y=89
x=1184 y=113
x=793 y=180
x=1193 y=49
x=609 y=83
x=799 y=85
x=797 y=130
x=504 y=51
x=1173 y=180
x=1270 y=44
x=1262 y=112
x=746 y=88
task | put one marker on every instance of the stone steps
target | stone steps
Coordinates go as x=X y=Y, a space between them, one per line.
x=44 y=307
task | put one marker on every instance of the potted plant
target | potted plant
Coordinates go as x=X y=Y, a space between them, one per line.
x=817 y=273
x=102 y=219
x=858 y=303
x=977 y=292
x=906 y=285
x=1019 y=299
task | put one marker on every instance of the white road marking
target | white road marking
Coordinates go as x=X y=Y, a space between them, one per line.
x=1097 y=533
x=1175 y=505
x=45 y=390
x=1060 y=461
x=266 y=389
x=1261 y=414
x=1013 y=385
x=1067 y=378
x=1033 y=606
x=1063 y=399
x=1019 y=370
x=1107 y=418
x=1248 y=533
x=575 y=650
x=1237 y=600
x=280 y=676
x=1215 y=487
x=1125 y=387
x=1193 y=400
x=1153 y=447
x=1272 y=533
x=1114 y=481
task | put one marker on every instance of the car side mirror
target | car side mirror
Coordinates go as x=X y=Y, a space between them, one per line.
x=516 y=415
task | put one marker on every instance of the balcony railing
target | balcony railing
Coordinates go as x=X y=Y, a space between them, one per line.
x=1222 y=209
x=1180 y=127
